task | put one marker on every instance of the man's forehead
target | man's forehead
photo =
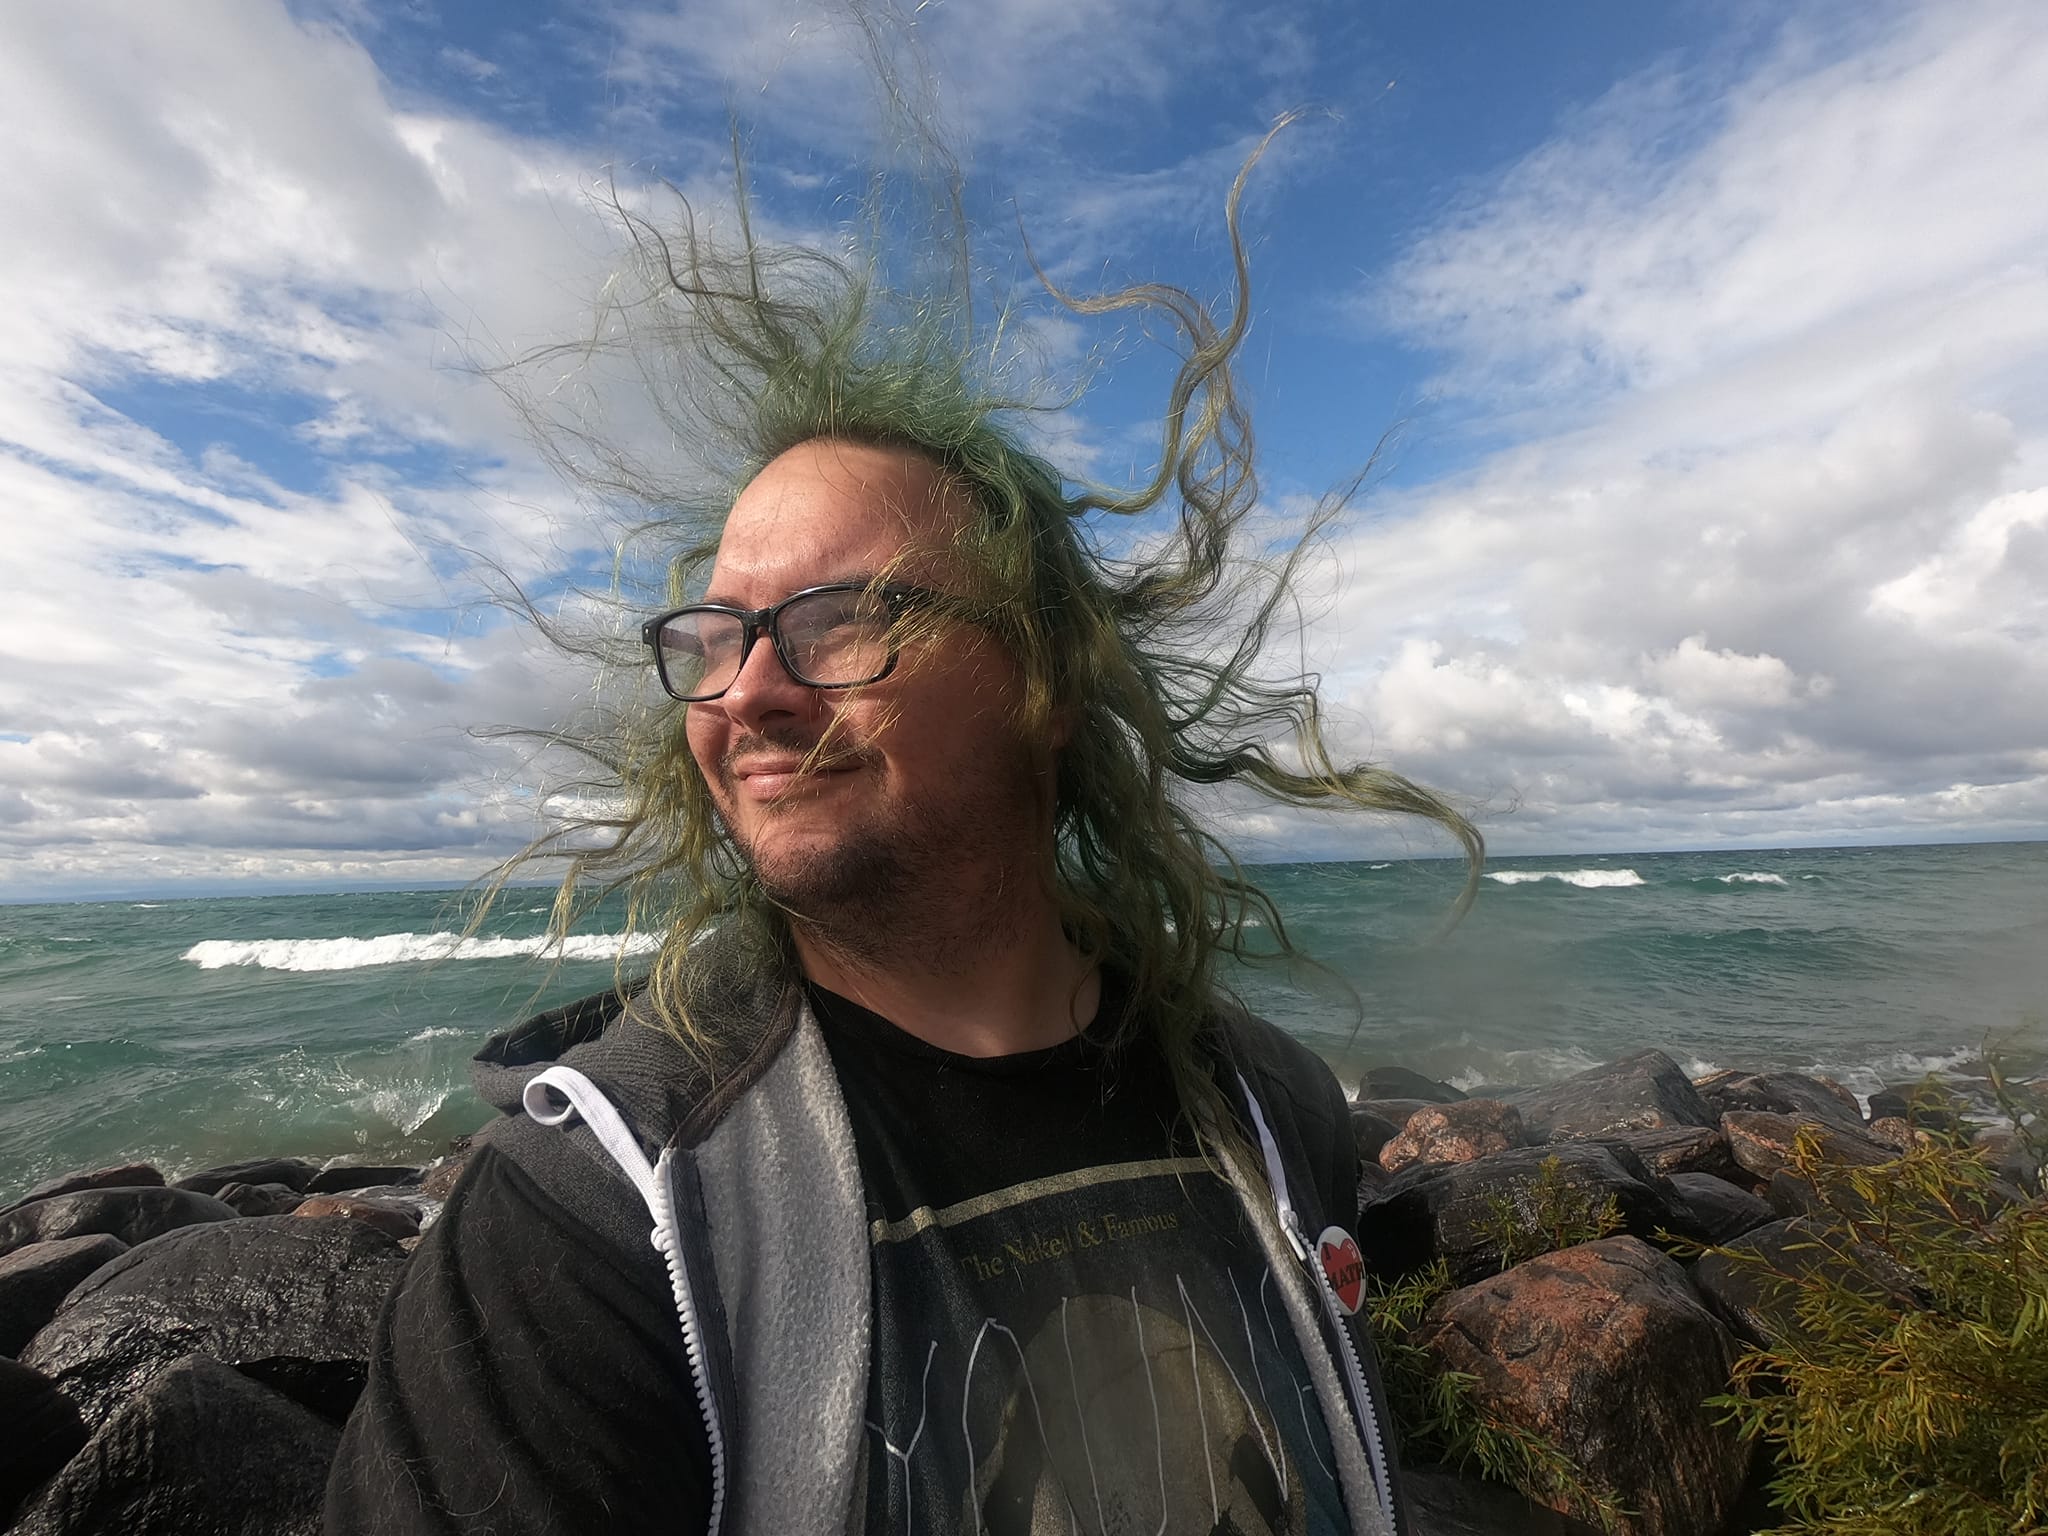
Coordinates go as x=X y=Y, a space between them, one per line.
x=826 y=511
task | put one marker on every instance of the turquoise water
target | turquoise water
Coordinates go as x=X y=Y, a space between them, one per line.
x=199 y=1031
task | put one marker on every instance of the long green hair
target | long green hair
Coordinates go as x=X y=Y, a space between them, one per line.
x=1157 y=661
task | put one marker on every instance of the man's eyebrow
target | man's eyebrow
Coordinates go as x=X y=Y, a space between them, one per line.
x=860 y=578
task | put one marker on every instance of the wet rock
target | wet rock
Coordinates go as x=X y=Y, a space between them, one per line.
x=1754 y=1282
x=1761 y=1142
x=387 y=1216
x=43 y=1432
x=1721 y=1210
x=1894 y=1132
x=441 y=1176
x=1454 y=1211
x=1673 y=1149
x=1452 y=1504
x=133 y=1215
x=1783 y=1093
x=260 y=1199
x=201 y=1448
x=1454 y=1133
x=1927 y=1106
x=1372 y=1131
x=1646 y=1091
x=288 y=1298
x=292 y=1172
x=122 y=1176
x=1605 y=1350
x=1400 y=1083
x=2014 y=1159
x=344 y=1178
x=424 y=1208
x=35 y=1279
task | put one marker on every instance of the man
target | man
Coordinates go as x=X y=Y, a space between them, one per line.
x=927 y=1184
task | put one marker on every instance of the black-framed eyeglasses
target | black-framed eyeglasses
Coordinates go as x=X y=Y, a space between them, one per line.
x=836 y=636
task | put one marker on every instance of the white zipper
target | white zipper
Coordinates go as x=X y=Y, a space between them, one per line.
x=668 y=1241
x=588 y=1100
x=1354 y=1369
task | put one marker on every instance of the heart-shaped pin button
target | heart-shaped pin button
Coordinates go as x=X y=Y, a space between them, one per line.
x=1345 y=1266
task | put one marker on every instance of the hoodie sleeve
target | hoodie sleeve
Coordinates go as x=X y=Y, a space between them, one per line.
x=526 y=1377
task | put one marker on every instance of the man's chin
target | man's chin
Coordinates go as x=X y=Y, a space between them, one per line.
x=826 y=873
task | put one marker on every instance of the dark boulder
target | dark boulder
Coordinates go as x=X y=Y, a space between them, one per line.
x=1394 y=1111
x=1782 y=1093
x=1646 y=1091
x=1444 y=1503
x=1836 y=1200
x=1454 y=1133
x=1372 y=1178
x=288 y=1299
x=122 y=1176
x=1673 y=1149
x=1400 y=1083
x=1761 y=1142
x=200 y=1448
x=2014 y=1158
x=1604 y=1350
x=1754 y=1282
x=1721 y=1210
x=133 y=1215
x=260 y=1199
x=43 y=1432
x=292 y=1172
x=1455 y=1211
x=345 y=1178
x=1370 y=1131
x=33 y=1280
x=1926 y=1106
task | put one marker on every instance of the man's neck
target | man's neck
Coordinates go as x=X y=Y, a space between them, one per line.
x=1022 y=990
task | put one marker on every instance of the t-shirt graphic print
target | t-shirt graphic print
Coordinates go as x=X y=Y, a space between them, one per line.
x=1074 y=1328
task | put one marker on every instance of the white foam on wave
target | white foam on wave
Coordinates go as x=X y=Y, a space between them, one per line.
x=145 y=906
x=439 y=1032
x=1752 y=877
x=1585 y=879
x=401 y=948
x=64 y=938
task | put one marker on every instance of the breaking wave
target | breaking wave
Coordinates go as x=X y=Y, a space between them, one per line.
x=401 y=948
x=1585 y=879
x=1752 y=877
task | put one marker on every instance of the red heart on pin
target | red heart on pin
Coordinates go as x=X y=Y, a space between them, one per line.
x=1345 y=1266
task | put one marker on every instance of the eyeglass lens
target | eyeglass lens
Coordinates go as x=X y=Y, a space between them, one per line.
x=827 y=638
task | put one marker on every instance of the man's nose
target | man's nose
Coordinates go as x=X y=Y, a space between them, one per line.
x=764 y=690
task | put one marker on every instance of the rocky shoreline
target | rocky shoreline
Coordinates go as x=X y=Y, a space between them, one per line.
x=180 y=1355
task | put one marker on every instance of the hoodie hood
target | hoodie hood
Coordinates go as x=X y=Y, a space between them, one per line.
x=616 y=1039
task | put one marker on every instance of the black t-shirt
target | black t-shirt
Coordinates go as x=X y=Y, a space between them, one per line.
x=1074 y=1327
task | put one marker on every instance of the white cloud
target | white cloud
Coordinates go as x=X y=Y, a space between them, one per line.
x=1769 y=563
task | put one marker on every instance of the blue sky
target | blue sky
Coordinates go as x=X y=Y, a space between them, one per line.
x=1708 y=340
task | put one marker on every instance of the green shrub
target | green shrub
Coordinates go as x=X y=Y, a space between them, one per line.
x=1909 y=1416
x=1546 y=1214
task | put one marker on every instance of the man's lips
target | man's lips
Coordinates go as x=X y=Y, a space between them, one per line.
x=768 y=778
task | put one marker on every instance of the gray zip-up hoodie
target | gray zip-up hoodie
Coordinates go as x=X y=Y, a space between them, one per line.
x=734 y=1168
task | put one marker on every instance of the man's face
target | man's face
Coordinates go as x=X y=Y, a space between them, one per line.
x=924 y=784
